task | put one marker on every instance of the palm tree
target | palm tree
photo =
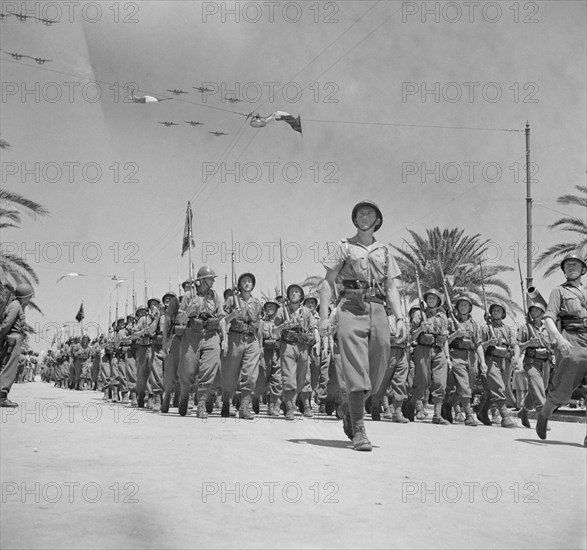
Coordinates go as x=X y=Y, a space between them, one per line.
x=13 y=269
x=460 y=256
x=567 y=223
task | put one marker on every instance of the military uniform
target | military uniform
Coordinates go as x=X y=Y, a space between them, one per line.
x=11 y=337
x=295 y=342
x=430 y=359
x=567 y=304
x=81 y=359
x=199 y=351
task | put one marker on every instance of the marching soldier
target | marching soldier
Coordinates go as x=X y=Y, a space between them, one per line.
x=11 y=337
x=270 y=366
x=130 y=360
x=156 y=354
x=240 y=361
x=296 y=326
x=81 y=356
x=367 y=271
x=431 y=357
x=314 y=374
x=199 y=351
x=462 y=344
x=171 y=342
x=534 y=342
x=121 y=345
x=495 y=342
x=143 y=343
x=567 y=304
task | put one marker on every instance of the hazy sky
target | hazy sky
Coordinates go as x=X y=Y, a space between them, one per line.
x=404 y=103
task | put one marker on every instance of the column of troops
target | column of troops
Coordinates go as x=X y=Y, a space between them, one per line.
x=237 y=352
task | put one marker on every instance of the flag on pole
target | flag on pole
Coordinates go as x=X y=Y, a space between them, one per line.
x=188 y=239
x=80 y=314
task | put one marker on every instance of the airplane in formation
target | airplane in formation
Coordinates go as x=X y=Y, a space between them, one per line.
x=218 y=133
x=167 y=123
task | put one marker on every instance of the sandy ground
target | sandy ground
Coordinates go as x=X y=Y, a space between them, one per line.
x=77 y=472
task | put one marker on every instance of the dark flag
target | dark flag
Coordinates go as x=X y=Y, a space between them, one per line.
x=80 y=314
x=188 y=239
x=295 y=123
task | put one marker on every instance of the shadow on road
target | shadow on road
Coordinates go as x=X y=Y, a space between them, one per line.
x=325 y=443
x=550 y=442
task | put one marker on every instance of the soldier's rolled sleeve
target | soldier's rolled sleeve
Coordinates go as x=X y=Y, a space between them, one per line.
x=554 y=304
x=336 y=259
x=393 y=270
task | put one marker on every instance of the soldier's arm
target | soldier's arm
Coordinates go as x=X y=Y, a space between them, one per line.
x=11 y=316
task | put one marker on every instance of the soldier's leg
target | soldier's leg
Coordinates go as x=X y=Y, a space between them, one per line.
x=142 y=373
x=9 y=357
x=460 y=369
x=289 y=356
x=275 y=387
x=230 y=370
x=422 y=360
x=207 y=370
x=170 y=366
x=186 y=370
x=439 y=368
x=496 y=386
x=399 y=383
x=156 y=375
x=302 y=368
x=249 y=374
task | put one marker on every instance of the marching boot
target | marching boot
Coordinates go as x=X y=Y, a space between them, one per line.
x=289 y=405
x=218 y=402
x=494 y=414
x=387 y=414
x=133 y=399
x=141 y=400
x=375 y=409
x=184 y=399
x=459 y=416
x=469 y=418
x=368 y=405
x=410 y=410
x=397 y=415
x=506 y=419
x=523 y=416
x=201 y=411
x=446 y=412
x=225 y=411
x=176 y=396
x=77 y=385
x=272 y=410
x=360 y=441
x=420 y=410
x=307 y=408
x=124 y=399
x=210 y=402
x=106 y=396
x=256 y=404
x=437 y=417
x=165 y=401
x=245 y=411
x=149 y=402
x=156 y=402
x=482 y=413
x=542 y=419
x=114 y=390
x=329 y=406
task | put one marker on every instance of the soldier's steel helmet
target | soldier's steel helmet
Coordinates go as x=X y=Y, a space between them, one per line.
x=150 y=300
x=238 y=283
x=140 y=309
x=205 y=271
x=23 y=290
x=498 y=304
x=270 y=302
x=170 y=294
x=575 y=256
x=434 y=292
x=311 y=297
x=372 y=205
x=186 y=284
x=538 y=305
x=463 y=298
x=291 y=287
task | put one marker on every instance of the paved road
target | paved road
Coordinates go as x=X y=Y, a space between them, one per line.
x=80 y=473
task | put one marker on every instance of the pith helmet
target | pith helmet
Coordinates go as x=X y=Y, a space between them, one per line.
x=238 y=283
x=372 y=205
x=205 y=271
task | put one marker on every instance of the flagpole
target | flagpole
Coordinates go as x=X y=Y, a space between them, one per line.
x=109 y=315
x=116 y=316
x=145 y=276
x=134 y=295
x=81 y=323
x=190 y=238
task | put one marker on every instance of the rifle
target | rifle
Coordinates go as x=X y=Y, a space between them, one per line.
x=420 y=299
x=287 y=316
x=234 y=279
x=532 y=333
x=451 y=310
x=486 y=315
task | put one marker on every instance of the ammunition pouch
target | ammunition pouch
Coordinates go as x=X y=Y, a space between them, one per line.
x=538 y=353
x=242 y=327
x=290 y=336
x=497 y=351
x=426 y=339
x=179 y=330
x=306 y=338
x=195 y=324
x=213 y=323
x=465 y=344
